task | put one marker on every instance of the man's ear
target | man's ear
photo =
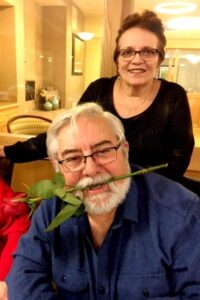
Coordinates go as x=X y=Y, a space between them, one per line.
x=126 y=145
x=125 y=148
x=56 y=165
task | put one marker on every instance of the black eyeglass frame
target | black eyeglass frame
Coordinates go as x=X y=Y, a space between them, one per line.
x=153 y=51
x=84 y=157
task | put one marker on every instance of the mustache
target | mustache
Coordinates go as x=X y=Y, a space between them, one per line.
x=89 y=182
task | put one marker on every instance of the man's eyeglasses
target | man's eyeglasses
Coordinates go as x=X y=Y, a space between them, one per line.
x=146 y=53
x=101 y=157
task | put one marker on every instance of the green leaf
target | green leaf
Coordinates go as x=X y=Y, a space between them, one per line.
x=43 y=189
x=59 y=179
x=59 y=192
x=71 y=199
x=80 y=210
x=63 y=215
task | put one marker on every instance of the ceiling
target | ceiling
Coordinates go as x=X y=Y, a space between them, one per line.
x=91 y=7
x=96 y=7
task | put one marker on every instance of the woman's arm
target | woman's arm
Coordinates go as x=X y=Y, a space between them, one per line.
x=30 y=150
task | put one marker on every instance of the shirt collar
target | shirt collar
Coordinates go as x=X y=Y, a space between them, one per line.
x=131 y=203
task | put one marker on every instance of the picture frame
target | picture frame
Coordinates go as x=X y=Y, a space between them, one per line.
x=77 y=55
x=30 y=90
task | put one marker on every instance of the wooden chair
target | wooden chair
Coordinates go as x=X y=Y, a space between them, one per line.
x=28 y=124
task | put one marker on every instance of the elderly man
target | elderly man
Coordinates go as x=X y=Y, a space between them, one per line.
x=138 y=238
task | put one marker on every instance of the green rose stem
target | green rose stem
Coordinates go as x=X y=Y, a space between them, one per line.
x=56 y=187
x=140 y=172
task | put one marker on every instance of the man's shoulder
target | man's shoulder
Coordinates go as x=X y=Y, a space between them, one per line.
x=170 y=196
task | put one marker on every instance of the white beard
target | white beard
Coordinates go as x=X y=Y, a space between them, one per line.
x=107 y=201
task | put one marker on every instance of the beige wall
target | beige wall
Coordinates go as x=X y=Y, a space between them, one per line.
x=93 y=49
x=54 y=48
x=33 y=41
x=74 y=83
x=7 y=54
x=184 y=39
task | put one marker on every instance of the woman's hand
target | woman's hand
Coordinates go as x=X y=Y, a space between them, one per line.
x=3 y=291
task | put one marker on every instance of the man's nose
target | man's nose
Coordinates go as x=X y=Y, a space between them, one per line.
x=90 y=167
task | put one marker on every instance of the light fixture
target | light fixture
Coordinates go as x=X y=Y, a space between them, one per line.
x=175 y=7
x=184 y=23
x=194 y=59
x=86 y=36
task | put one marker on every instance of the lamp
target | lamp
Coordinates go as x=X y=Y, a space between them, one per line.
x=194 y=59
x=175 y=7
x=85 y=36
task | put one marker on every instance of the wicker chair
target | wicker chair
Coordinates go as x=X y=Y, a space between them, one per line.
x=28 y=124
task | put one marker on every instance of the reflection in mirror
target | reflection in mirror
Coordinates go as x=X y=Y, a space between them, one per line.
x=77 y=55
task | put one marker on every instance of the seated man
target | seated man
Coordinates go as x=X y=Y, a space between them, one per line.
x=138 y=238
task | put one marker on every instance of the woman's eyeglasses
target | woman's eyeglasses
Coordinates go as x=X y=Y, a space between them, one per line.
x=146 y=53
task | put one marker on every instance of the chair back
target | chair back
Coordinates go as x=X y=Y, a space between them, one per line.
x=28 y=124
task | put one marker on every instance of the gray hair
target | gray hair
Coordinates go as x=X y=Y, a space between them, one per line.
x=70 y=116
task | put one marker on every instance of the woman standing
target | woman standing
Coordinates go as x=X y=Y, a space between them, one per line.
x=154 y=112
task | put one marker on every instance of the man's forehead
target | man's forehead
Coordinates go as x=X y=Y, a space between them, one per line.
x=77 y=148
x=89 y=132
x=87 y=125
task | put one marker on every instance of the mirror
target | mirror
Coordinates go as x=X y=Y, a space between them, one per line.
x=77 y=55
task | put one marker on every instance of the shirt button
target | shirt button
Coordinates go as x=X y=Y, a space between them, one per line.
x=101 y=290
x=146 y=293
x=64 y=279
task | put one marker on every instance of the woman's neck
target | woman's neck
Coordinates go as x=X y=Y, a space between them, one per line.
x=130 y=100
x=136 y=91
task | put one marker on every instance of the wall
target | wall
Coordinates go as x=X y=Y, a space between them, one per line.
x=93 y=49
x=8 y=55
x=74 y=83
x=33 y=42
x=183 y=39
x=54 y=48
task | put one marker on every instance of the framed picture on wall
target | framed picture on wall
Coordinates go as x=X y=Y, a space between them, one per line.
x=30 y=90
x=77 y=55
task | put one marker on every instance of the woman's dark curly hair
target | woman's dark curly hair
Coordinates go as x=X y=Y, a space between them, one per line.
x=148 y=20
